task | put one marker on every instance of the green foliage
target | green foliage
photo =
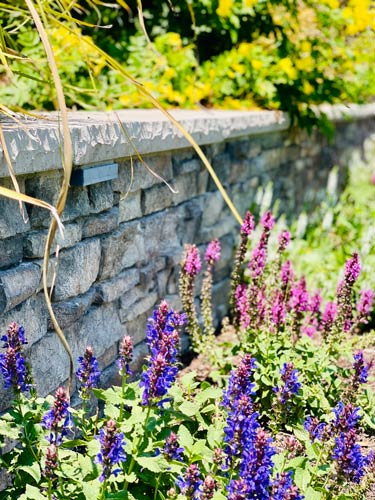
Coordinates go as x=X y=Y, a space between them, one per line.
x=201 y=415
x=242 y=54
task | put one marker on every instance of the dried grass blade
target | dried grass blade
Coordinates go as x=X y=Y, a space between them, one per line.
x=67 y=166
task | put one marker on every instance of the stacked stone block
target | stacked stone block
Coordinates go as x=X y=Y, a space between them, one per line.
x=124 y=238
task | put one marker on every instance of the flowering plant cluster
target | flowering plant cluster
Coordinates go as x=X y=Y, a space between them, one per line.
x=282 y=419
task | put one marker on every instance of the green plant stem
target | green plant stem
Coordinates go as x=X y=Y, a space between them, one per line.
x=49 y=492
x=24 y=430
x=132 y=461
x=157 y=486
x=103 y=490
x=123 y=384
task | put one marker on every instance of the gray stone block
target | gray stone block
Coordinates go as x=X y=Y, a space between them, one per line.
x=156 y=198
x=111 y=290
x=122 y=249
x=50 y=363
x=34 y=241
x=47 y=188
x=147 y=303
x=136 y=328
x=212 y=209
x=100 y=196
x=11 y=251
x=221 y=164
x=185 y=166
x=69 y=311
x=186 y=185
x=227 y=225
x=77 y=269
x=18 y=284
x=160 y=233
x=141 y=177
x=100 y=328
x=32 y=314
x=130 y=206
x=11 y=221
x=77 y=203
x=100 y=224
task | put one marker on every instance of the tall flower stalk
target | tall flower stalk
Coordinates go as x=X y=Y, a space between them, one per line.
x=111 y=452
x=212 y=255
x=13 y=366
x=190 y=268
x=123 y=363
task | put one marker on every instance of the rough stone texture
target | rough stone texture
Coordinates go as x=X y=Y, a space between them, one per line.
x=111 y=290
x=18 y=284
x=122 y=249
x=100 y=224
x=124 y=238
x=100 y=196
x=11 y=220
x=69 y=311
x=77 y=270
x=130 y=206
x=11 y=251
x=31 y=314
x=34 y=241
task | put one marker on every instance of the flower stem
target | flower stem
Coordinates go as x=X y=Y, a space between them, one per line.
x=132 y=462
x=123 y=384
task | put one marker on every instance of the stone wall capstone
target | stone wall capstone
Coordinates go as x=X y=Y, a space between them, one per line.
x=124 y=238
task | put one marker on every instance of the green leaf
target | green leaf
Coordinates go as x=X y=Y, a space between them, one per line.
x=154 y=464
x=189 y=408
x=209 y=393
x=219 y=496
x=120 y=495
x=8 y=430
x=91 y=489
x=214 y=436
x=32 y=493
x=33 y=471
x=200 y=449
x=311 y=494
x=302 y=478
x=186 y=440
x=188 y=380
x=131 y=478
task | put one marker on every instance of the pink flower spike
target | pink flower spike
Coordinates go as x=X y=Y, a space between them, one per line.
x=284 y=239
x=267 y=221
x=192 y=261
x=213 y=252
x=248 y=224
x=352 y=269
x=364 y=305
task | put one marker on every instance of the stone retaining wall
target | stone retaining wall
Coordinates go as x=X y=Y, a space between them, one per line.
x=124 y=238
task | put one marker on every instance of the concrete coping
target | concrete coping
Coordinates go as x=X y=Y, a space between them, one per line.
x=34 y=144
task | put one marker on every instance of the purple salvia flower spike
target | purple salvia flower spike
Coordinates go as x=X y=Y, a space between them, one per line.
x=163 y=340
x=284 y=489
x=12 y=363
x=172 y=450
x=349 y=459
x=190 y=483
x=88 y=372
x=125 y=355
x=111 y=450
x=58 y=419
